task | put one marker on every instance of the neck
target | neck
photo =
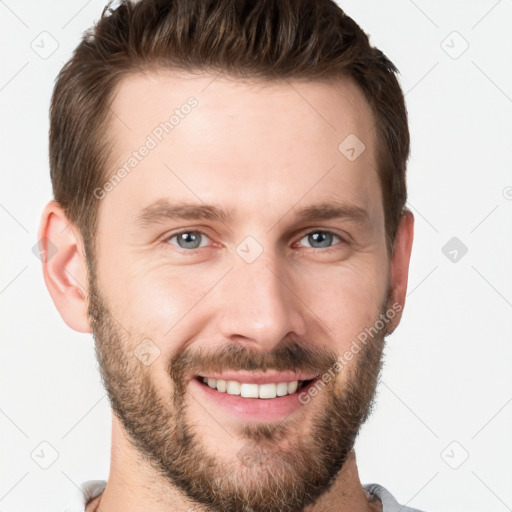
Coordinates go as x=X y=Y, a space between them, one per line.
x=133 y=485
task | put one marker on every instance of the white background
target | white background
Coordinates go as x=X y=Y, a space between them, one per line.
x=446 y=389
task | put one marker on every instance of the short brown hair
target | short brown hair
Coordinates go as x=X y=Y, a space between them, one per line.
x=264 y=40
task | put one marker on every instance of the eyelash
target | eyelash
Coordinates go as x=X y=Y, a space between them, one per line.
x=314 y=249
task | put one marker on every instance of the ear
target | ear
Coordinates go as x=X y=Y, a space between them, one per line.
x=64 y=266
x=399 y=266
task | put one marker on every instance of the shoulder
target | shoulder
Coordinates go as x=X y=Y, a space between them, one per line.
x=389 y=503
x=86 y=492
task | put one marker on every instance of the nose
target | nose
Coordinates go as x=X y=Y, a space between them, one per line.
x=259 y=305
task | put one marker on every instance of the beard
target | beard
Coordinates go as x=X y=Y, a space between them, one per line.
x=281 y=467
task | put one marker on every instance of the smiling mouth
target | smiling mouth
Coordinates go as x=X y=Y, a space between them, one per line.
x=251 y=390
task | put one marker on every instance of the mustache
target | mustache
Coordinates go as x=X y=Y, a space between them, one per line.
x=235 y=357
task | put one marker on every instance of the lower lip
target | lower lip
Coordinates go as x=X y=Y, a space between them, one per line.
x=265 y=409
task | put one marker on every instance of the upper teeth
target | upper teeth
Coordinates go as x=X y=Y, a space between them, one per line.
x=246 y=390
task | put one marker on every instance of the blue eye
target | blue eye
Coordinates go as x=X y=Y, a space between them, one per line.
x=324 y=239
x=188 y=239
x=193 y=239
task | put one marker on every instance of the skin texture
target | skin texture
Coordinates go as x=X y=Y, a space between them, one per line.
x=263 y=151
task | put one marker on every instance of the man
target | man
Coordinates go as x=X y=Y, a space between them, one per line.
x=229 y=191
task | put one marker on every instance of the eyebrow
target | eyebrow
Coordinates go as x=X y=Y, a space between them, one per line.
x=163 y=210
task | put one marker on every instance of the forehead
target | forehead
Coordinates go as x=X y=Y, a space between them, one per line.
x=333 y=107
x=217 y=139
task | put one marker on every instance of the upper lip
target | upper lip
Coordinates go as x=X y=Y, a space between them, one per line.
x=259 y=377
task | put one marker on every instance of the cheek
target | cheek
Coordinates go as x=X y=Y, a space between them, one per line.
x=160 y=303
x=347 y=300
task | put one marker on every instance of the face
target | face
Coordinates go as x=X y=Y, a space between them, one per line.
x=245 y=249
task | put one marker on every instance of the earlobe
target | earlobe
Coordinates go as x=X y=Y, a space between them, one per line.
x=64 y=266
x=399 y=271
